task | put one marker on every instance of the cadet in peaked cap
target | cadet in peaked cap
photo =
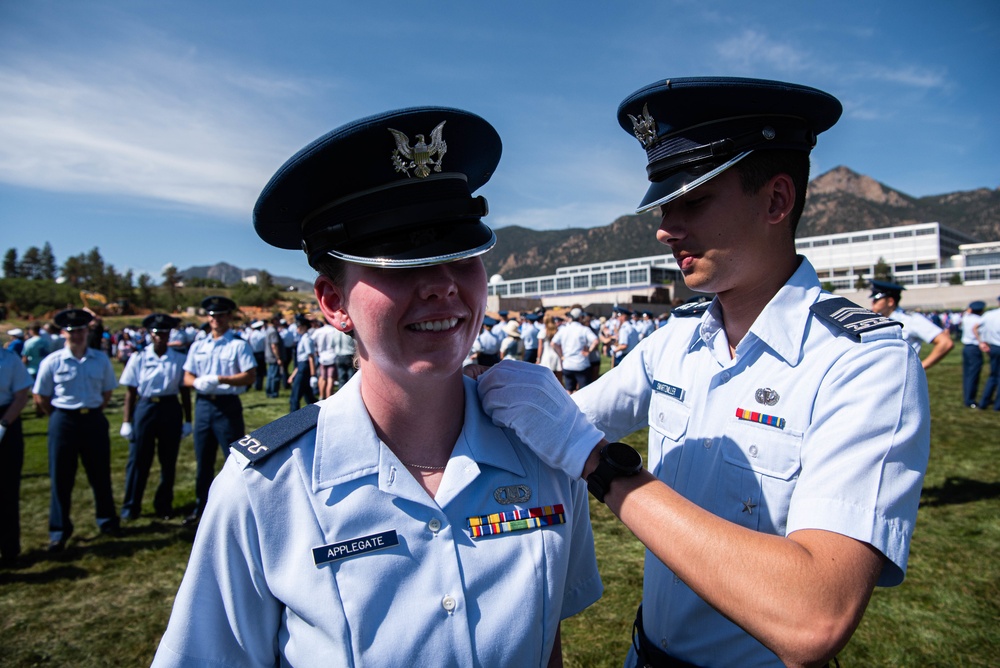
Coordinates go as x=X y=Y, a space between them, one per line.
x=987 y=331
x=153 y=420
x=972 y=355
x=72 y=387
x=917 y=329
x=385 y=210
x=220 y=367
x=774 y=359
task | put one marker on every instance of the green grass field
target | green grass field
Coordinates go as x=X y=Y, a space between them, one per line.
x=105 y=601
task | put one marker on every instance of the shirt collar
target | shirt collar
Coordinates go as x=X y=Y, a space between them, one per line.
x=782 y=323
x=348 y=448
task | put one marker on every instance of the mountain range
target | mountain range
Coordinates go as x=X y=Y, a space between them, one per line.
x=839 y=200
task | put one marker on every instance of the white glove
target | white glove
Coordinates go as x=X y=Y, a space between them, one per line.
x=3 y=430
x=528 y=399
x=206 y=383
x=186 y=430
x=126 y=430
x=314 y=383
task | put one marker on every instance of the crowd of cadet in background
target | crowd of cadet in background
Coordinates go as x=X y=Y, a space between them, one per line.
x=310 y=359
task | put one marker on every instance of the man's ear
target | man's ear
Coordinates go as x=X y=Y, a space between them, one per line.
x=332 y=303
x=781 y=191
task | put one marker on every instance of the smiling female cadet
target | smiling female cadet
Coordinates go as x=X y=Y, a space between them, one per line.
x=392 y=523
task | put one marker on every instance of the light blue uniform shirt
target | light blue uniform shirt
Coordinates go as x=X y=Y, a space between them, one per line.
x=529 y=336
x=13 y=376
x=253 y=596
x=849 y=457
x=628 y=335
x=227 y=355
x=152 y=375
x=917 y=329
x=989 y=327
x=305 y=348
x=75 y=383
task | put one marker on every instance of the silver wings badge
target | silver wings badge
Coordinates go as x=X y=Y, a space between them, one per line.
x=644 y=128
x=420 y=156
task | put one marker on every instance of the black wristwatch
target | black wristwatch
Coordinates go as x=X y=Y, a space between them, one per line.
x=617 y=461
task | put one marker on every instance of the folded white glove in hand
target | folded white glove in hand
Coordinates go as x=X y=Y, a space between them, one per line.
x=206 y=383
x=528 y=399
x=126 y=430
x=186 y=430
x=314 y=383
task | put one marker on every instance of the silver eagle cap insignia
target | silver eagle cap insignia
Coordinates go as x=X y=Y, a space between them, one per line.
x=421 y=156
x=644 y=128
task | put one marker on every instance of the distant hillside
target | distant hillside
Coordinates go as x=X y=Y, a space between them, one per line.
x=840 y=200
x=229 y=275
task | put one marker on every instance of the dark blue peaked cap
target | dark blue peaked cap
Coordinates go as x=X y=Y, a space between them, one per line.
x=72 y=318
x=693 y=129
x=886 y=289
x=160 y=322
x=218 y=304
x=391 y=190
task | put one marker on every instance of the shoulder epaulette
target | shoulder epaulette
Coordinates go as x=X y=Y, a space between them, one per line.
x=259 y=444
x=690 y=310
x=850 y=318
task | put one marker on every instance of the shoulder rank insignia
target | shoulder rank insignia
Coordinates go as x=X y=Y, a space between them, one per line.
x=848 y=317
x=693 y=309
x=259 y=444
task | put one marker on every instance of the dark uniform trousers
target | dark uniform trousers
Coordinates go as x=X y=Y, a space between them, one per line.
x=218 y=421
x=11 y=463
x=157 y=429
x=301 y=389
x=79 y=434
x=972 y=366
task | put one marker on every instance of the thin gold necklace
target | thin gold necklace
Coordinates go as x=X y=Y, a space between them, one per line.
x=424 y=466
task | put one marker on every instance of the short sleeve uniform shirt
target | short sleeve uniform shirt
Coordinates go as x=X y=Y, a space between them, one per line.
x=75 y=383
x=153 y=375
x=227 y=355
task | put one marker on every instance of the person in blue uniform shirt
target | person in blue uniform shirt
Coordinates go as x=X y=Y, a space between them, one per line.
x=788 y=428
x=972 y=356
x=988 y=333
x=15 y=389
x=220 y=367
x=305 y=367
x=72 y=387
x=917 y=329
x=156 y=416
x=391 y=523
x=257 y=339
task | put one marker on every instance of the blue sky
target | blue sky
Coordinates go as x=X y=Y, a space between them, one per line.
x=149 y=128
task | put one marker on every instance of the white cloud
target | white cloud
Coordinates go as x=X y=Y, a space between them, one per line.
x=143 y=122
x=752 y=50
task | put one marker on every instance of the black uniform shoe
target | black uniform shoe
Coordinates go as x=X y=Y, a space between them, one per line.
x=56 y=546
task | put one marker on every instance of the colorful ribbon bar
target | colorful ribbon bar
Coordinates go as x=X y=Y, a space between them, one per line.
x=516 y=520
x=754 y=416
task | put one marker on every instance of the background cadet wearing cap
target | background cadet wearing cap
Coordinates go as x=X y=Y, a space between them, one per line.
x=788 y=428
x=153 y=378
x=626 y=337
x=916 y=328
x=73 y=387
x=573 y=344
x=219 y=367
x=988 y=333
x=351 y=532
x=529 y=337
x=486 y=347
x=305 y=366
x=972 y=356
x=15 y=384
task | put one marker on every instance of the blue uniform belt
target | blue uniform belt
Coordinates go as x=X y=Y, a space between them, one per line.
x=79 y=411
x=159 y=399
x=217 y=398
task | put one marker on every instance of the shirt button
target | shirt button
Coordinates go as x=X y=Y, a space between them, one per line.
x=663 y=643
x=726 y=376
x=753 y=451
x=448 y=603
x=434 y=525
x=707 y=443
x=660 y=417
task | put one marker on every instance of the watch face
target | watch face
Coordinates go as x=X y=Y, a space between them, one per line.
x=624 y=457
